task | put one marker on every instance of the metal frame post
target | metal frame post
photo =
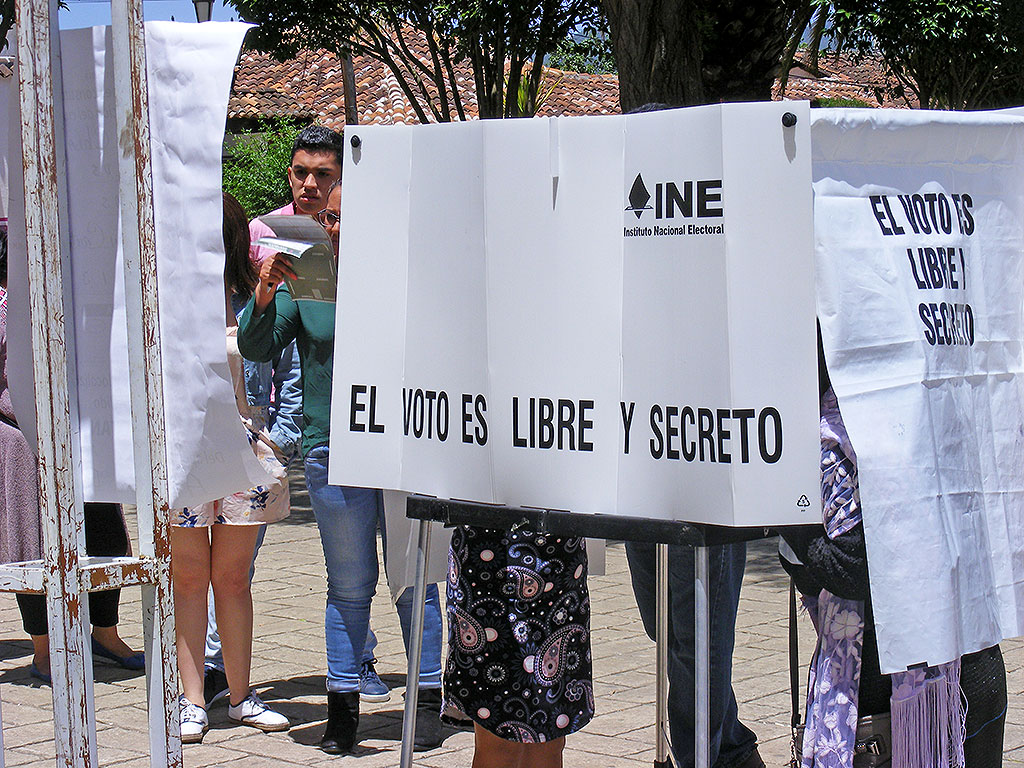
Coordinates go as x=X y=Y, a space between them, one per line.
x=661 y=752
x=412 y=678
x=61 y=511
x=702 y=658
x=138 y=241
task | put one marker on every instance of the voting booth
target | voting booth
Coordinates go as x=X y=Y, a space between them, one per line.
x=601 y=323
x=615 y=316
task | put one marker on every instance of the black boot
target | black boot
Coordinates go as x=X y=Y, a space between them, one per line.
x=342 y=721
x=428 y=720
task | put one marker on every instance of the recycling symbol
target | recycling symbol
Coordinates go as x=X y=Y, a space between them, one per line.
x=803 y=501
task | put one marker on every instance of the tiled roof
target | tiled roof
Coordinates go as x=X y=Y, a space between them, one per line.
x=309 y=87
x=843 y=76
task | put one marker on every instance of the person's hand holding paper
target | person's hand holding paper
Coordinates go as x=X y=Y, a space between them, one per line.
x=304 y=260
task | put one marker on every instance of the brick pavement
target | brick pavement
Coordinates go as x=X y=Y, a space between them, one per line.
x=288 y=670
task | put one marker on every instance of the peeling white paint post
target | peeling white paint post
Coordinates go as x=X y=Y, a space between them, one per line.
x=67 y=610
x=145 y=375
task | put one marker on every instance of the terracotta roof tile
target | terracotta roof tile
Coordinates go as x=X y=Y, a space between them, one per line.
x=310 y=87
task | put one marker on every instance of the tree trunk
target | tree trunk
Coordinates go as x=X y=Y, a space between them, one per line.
x=697 y=51
x=657 y=49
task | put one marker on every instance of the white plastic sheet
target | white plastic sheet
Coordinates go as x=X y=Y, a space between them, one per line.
x=190 y=68
x=919 y=229
x=506 y=291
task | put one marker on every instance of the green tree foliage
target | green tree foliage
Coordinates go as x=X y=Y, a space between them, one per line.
x=951 y=54
x=586 y=52
x=254 y=171
x=422 y=42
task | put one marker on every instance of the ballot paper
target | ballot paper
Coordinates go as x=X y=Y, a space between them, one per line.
x=312 y=256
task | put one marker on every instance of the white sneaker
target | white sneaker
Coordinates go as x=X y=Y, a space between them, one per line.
x=193 y=722
x=252 y=711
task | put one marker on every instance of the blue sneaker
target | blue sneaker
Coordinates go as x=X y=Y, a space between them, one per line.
x=371 y=687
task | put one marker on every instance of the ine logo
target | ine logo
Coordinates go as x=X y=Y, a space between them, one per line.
x=687 y=199
x=639 y=197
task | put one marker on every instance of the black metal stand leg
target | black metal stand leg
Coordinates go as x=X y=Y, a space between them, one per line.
x=412 y=685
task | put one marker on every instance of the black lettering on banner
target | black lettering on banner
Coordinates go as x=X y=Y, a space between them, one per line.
x=921 y=284
x=545 y=422
x=926 y=318
x=443 y=415
x=876 y=200
x=566 y=417
x=705 y=196
x=627 y=421
x=517 y=441
x=356 y=408
x=586 y=424
x=689 y=448
x=945 y=215
x=744 y=415
x=908 y=209
x=723 y=435
x=430 y=396
x=671 y=430
x=467 y=417
x=967 y=203
x=762 y=437
x=896 y=228
x=374 y=426
x=657 y=442
x=423 y=411
x=417 y=413
x=921 y=214
x=480 y=406
x=705 y=432
x=561 y=424
x=673 y=198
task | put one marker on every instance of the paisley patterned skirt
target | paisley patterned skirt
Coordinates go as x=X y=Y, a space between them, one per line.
x=519 y=661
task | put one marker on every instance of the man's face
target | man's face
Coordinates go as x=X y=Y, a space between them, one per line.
x=310 y=176
x=333 y=222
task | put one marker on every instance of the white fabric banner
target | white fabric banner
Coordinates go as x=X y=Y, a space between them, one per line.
x=190 y=69
x=919 y=229
x=606 y=314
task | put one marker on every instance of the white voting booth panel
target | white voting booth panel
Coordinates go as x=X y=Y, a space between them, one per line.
x=919 y=235
x=608 y=315
x=190 y=68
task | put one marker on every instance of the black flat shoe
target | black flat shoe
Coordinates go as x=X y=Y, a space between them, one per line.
x=134 y=662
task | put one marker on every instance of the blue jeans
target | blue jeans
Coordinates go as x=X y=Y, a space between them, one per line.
x=731 y=741
x=347 y=519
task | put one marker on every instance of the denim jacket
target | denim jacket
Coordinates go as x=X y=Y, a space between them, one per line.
x=283 y=378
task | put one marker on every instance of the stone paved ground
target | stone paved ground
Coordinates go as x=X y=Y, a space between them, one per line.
x=288 y=670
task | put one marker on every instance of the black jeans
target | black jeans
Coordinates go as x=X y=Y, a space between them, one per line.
x=731 y=741
x=105 y=536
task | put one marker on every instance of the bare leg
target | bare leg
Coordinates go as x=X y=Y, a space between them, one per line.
x=232 y=548
x=41 y=652
x=491 y=751
x=190 y=574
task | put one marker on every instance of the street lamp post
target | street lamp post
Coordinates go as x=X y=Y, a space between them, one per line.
x=204 y=10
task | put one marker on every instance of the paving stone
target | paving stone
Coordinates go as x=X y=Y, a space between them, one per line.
x=289 y=661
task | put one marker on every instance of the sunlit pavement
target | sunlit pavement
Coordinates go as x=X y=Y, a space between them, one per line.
x=288 y=672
